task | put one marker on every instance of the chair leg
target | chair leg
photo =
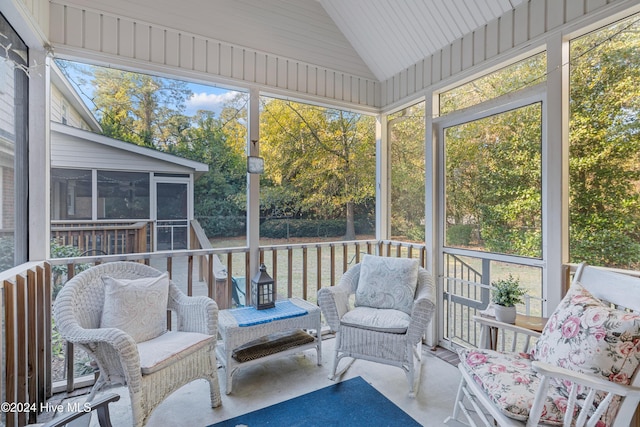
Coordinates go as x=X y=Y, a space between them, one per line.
x=457 y=403
x=336 y=360
x=414 y=372
x=214 y=384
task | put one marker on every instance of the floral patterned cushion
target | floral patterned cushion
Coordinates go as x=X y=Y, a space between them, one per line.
x=583 y=334
x=511 y=383
x=387 y=282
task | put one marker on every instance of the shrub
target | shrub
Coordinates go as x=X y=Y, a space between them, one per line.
x=459 y=234
x=286 y=228
x=60 y=272
x=7 y=251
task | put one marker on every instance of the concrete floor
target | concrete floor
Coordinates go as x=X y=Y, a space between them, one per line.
x=284 y=378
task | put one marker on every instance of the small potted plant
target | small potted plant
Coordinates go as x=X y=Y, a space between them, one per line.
x=505 y=294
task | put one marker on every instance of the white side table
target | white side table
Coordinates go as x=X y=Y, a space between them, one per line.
x=233 y=335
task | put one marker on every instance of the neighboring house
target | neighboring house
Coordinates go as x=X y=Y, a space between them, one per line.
x=117 y=197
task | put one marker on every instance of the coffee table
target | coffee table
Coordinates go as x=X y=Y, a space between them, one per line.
x=239 y=328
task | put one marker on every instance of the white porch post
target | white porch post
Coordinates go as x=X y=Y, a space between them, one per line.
x=555 y=172
x=39 y=157
x=253 y=185
x=383 y=179
x=431 y=217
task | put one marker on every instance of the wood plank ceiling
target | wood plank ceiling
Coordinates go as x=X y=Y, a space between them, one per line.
x=391 y=35
x=374 y=39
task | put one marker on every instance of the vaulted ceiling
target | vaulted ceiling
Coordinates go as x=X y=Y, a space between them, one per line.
x=374 y=39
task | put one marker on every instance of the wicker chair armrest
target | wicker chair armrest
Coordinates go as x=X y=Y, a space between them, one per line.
x=334 y=303
x=195 y=314
x=115 y=338
x=334 y=300
x=421 y=314
x=424 y=307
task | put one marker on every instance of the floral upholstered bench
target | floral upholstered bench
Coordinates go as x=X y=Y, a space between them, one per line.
x=581 y=371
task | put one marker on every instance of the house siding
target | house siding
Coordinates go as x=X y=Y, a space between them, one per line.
x=72 y=152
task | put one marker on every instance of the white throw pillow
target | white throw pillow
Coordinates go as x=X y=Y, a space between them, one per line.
x=138 y=306
x=387 y=282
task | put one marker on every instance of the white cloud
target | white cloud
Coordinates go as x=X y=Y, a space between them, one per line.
x=208 y=101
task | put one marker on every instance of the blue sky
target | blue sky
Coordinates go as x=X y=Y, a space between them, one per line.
x=207 y=98
x=204 y=97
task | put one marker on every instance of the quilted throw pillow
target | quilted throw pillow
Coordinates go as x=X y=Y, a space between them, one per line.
x=137 y=307
x=387 y=282
x=585 y=335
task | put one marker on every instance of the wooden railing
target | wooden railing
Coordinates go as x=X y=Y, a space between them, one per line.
x=25 y=349
x=104 y=237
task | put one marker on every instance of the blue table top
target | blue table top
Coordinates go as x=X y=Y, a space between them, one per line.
x=248 y=316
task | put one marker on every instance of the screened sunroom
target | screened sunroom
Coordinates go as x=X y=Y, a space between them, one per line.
x=488 y=139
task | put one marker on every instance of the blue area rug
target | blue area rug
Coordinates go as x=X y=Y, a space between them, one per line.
x=349 y=403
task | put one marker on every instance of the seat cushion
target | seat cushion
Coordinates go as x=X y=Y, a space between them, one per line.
x=138 y=306
x=160 y=352
x=583 y=334
x=377 y=319
x=511 y=383
x=387 y=282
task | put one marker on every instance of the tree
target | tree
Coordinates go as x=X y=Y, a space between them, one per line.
x=219 y=207
x=407 y=155
x=493 y=165
x=139 y=108
x=605 y=147
x=323 y=157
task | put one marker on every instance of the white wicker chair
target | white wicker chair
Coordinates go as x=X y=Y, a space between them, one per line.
x=392 y=347
x=77 y=313
x=513 y=389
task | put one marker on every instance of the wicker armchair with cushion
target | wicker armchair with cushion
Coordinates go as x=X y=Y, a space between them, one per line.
x=117 y=312
x=394 y=303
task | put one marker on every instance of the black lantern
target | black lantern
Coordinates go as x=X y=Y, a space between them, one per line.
x=263 y=290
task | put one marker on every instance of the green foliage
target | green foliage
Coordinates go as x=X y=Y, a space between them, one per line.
x=57 y=342
x=493 y=180
x=60 y=272
x=459 y=234
x=407 y=157
x=416 y=234
x=286 y=228
x=507 y=292
x=321 y=160
x=604 y=157
x=7 y=251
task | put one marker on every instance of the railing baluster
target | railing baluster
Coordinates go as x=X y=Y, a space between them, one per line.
x=190 y=275
x=289 y=272
x=318 y=268
x=228 y=295
x=304 y=272
x=333 y=264
x=247 y=282
x=31 y=326
x=10 y=346
x=210 y=280
x=345 y=256
x=21 y=345
x=274 y=267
